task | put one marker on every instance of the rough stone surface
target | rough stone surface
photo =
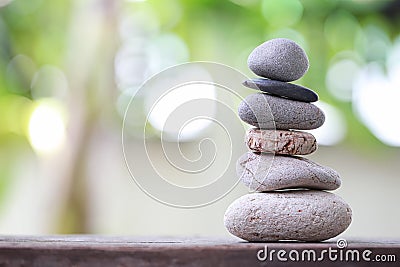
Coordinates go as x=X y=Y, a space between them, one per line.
x=266 y=172
x=282 y=89
x=279 y=59
x=281 y=142
x=269 y=112
x=291 y=215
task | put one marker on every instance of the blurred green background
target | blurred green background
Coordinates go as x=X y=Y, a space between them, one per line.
x=69 y=68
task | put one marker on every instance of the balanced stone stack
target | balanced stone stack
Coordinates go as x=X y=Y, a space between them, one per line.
x=290 y=201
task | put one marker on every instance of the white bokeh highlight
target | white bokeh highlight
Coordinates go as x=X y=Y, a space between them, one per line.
x=334 y=130
x=375 y=102
x=47 y=127
x=166 y=105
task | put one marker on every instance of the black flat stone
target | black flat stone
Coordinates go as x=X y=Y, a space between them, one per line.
x=282 y=89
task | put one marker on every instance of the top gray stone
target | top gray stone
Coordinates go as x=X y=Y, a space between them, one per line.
x=279 y=59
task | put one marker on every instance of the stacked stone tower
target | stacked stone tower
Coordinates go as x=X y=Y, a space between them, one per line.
x=290 y=201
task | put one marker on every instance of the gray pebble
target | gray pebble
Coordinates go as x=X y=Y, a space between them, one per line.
x=270 y=112
x=266 y=172
x=279 y=59
x=291 y=215
x=280 y=142
x=282 y=89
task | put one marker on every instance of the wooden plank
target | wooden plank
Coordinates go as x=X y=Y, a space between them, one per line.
x=86 y=250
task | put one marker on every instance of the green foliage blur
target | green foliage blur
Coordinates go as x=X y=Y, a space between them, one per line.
x=227 y=31
x=222 y=31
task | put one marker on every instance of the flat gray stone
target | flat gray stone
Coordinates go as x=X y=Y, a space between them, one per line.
x=282 y=89
x=291 y=215
x=279 y=59
x=280 y=142
x=270 y=112
x=266 y=172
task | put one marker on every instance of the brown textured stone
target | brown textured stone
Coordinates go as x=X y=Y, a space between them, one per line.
x=281 y=142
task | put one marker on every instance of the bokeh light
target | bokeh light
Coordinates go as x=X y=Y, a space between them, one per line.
x=176 y=97
x=333 y=131
x=49 y=81
x=340 y=30
x=132 y=64
x=372 y=43
x=340 y=78
x=165 y=51
x=281 y=13
x=20 y=71
x=375 y=101
x=47 y=127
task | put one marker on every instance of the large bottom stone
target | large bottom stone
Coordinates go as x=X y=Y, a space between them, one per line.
x=303 y=215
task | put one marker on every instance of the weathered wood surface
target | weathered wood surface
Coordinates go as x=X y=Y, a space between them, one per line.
x=86 y=250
